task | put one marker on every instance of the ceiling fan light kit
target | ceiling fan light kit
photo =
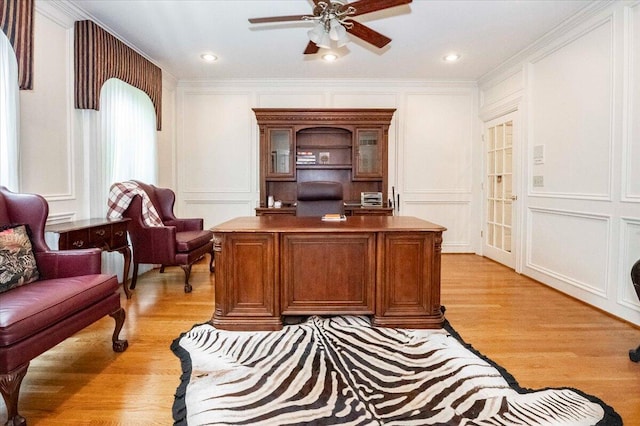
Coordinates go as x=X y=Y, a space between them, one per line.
x=333 y=20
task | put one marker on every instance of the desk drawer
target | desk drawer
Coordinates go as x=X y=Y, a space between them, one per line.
x=119 y=235
x=100 y=236
x=78 y=239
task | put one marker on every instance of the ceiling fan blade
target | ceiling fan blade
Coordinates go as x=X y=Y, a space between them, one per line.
x=311 y=48
x=276 y=19
x=367 y=34
x=368 y=6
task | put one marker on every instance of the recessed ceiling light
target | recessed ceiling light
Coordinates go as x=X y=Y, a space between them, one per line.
x=329 y=57
x=451 y=57
x=209 y=57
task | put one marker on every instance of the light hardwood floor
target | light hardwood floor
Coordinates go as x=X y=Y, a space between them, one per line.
x=542 y=337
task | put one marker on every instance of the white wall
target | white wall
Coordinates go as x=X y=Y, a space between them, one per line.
x=578 y=95
x=431 y=144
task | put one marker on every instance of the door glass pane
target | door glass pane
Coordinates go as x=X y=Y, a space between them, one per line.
x=508 y=160
x=499 y=187
x=507 y=213
x=499 y=136
x=508 y=134
x=507 y=239
x=506 y=179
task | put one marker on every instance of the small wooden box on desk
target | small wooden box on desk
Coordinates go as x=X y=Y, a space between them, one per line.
x=105 y=234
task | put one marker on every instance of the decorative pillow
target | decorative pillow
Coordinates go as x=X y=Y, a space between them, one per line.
x=17 y=262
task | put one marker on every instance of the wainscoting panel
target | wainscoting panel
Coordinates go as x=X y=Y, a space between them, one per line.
x=216 y=152
x=453 y=215
x=46 y=131
x=631 y=133
x=565 y=118
x=217 y=211
x=437 y=143
x=571 y=247
x=629 y=254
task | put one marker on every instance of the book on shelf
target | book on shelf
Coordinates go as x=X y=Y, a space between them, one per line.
x=334 y=217
x=304 y=157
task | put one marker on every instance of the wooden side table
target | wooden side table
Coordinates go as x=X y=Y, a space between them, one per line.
x=106 y=234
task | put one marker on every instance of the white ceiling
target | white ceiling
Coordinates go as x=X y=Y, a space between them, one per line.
x=173 y=34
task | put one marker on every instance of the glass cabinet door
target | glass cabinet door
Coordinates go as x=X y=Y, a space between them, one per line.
x=368 y=157
x=280 y=148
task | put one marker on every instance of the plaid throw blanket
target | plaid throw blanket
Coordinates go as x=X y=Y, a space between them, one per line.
x=120 y=196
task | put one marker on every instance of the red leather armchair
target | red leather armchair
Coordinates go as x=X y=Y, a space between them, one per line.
x=634 y=354
x=70 y=294
x=180 y=242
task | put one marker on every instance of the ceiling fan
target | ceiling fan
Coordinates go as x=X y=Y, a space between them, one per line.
x=334 y=19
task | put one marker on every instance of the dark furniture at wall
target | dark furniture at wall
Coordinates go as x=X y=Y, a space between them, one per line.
x=268 y=267
x=69 y=295
x=105 y=234
x=348 y=146
x=318 y=198
x=180 y=242
x=634 y=354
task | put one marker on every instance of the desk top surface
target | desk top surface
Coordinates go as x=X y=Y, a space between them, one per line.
x=283 y=223
x=83 y=224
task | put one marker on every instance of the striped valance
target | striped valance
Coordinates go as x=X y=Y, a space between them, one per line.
x=100 y=56
x=16 y=21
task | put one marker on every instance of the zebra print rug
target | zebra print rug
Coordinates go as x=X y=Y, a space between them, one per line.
x=343 y=371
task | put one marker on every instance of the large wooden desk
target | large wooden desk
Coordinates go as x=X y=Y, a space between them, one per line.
x=270 y=266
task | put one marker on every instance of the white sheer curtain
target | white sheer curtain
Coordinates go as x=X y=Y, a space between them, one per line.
x=123 y=146
x=9 y=110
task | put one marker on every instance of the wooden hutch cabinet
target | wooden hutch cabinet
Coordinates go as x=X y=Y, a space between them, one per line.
x=341 y=145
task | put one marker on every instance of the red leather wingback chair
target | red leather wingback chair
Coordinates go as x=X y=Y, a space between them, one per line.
x=180 y=242
x=70 y=294
x=317 y=198
x=634 y=354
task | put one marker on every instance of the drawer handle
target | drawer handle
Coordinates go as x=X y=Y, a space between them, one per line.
x=119 y=233
x=78 y=243
x=100 y=232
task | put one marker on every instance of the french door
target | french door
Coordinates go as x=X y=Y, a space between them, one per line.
x=500 y=199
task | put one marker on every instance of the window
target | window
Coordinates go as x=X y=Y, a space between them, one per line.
x=124 y=148
x=128 y=130
x=9 y=158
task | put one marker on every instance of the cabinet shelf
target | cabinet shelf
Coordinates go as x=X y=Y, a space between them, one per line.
x=317 y=147
x=323 y=166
